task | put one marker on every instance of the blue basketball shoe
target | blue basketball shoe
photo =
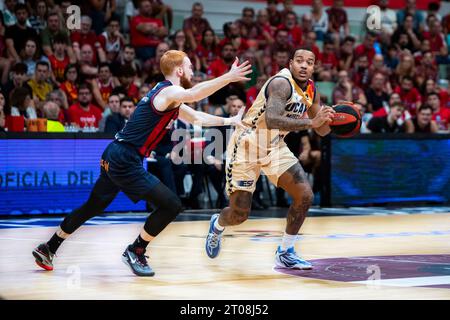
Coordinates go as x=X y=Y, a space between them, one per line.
x=213 y=238
x=289 y=259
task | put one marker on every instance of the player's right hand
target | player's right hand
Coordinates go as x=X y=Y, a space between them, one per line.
x=238 y=72
x=323 y=117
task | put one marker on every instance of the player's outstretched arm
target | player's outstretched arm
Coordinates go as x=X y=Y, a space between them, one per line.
x=174 y=95
x=324 y=129
x=279 y=91
x=208 y=120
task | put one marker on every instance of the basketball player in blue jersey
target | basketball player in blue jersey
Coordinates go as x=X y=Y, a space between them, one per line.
x=121 y=162
x=287 y=102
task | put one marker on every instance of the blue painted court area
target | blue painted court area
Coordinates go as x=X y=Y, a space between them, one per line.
x=204 y=215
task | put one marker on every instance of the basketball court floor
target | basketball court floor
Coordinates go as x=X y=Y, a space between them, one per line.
x=389 y=254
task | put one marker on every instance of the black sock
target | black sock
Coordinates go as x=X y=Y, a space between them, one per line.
x=140 y=243
x=54 y=243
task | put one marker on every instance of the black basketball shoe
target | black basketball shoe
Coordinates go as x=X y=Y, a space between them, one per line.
x=136 y=260
x=43 y=256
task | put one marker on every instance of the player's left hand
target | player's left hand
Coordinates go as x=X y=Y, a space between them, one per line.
x=237 y=119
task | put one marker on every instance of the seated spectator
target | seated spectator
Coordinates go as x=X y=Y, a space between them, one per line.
x=112 y=107
x=207 y=50
x=85 y=36
x=247 y=24
x=232 y=36
x=409 y=95
x=60 y=59
x=437 y=42
x=179 y=43
x=281 y=43
x=100 y=12
x=376 y=93
x=127 y=57
x=378 y=66
x=84 y=114
x=151 y=71
x=163 y=12
x=388 y=19
x=17 y=34
x=345 y=53
x=275 y=17
x=360 y=72
x=70 y=84
x=103 y=86
x=411 y=9
x=337 y=20
x=19 y=79
x=293 y=29
x=30 y=55
x=111 y=40
x=405 y=67
x=319 y=19
x=440 y=115
x=127 y=77
x=48 y=34
x=387 y=124
x=423 y=122
x=430 y=86
x=384 y=111
x=406 y=36
x=266 y=32
x=146 y=32
x=117 y=121
x=38 y=20
x=8 y=13
x=22 y=104
x=144 y=89
x=39 y=84
x=310 y=44
x=58 y=97
x=5 y=62
x=88 y=63
x=427 y=69
x=307 y=23
x=345 y=90
x=328 y=62
x=195 y=26
x=367 y=47
x=51 y=113
x=280 y=61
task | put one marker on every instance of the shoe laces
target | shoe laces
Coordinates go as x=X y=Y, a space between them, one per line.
x=213 y=239
x=141 y=257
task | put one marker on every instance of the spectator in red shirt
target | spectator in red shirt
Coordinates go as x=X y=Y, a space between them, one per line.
x=430 y=86
x=84 y=36
x=70 y=84
x=233 y=36
x=207 y=50
x=266 y=32
x=127 y=76
x=427 y=69
x=440 y=115
x=247 y=24
x=275 y=17
x=360 y=72
x=410 y=96
x=337 y=20
x=146 y=32
x=103 y=86
x=151 y=71
x=111 y=40
x=253 y=92
x=281 y=43
x=345 y=90
x=328 y=62
x=293 y=29
x=437 y=41
x=84 y=114
x=59 y=59
x=366 y=48
x=280 y=61
x=195 y=25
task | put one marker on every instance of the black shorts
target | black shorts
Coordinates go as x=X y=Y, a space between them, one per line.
x=122 y=170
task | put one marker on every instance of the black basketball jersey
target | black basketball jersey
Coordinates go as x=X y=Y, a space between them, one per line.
x=147 y=126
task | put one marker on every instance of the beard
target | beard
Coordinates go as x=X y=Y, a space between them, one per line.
x=84 y=104
x=185 y=82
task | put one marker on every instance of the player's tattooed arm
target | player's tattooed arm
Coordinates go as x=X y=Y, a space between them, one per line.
x=279 y=91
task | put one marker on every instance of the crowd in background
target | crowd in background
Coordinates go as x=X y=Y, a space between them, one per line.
x=90 y=79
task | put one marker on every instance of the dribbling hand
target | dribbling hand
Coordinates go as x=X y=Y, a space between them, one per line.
x=324 y=116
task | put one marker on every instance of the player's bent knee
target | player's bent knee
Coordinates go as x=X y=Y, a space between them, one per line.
x=304 y=197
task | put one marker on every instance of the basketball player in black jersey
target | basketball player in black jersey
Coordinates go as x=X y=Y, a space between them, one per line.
x=121 y=162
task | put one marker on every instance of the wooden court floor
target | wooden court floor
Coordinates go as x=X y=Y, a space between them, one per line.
x=355 y=257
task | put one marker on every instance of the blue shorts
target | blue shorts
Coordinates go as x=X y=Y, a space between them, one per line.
x=122 y=170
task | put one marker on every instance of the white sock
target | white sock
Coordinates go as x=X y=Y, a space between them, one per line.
x=288 y=241
x=218 y=226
